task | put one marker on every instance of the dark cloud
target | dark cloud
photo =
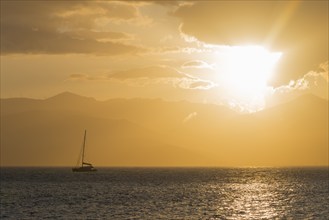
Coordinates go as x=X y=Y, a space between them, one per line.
x=299 y=29
x=150 y=75
x=60 y=27
x=162 y=75
x=78 y=76
x=100 y=36
x=152 y=72
x=172 y=3
x=42 y=42
x=85 y=77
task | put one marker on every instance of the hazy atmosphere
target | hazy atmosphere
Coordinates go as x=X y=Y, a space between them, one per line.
x=164 y=83
x=164 y=109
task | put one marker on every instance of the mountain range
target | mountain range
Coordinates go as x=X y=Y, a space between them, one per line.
x=154 y=132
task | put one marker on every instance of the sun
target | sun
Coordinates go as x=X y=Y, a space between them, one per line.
x=246 y=71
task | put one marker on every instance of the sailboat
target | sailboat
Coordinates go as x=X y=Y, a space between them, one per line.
x=85 y=167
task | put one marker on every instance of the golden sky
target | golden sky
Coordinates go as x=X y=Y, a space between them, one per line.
x=245 y=54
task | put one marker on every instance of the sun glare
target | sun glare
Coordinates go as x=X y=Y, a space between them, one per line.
x=247 y=71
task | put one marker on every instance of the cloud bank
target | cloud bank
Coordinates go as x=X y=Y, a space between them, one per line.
x=62 y=27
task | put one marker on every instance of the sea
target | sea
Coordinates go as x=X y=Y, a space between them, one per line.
x=165 y=193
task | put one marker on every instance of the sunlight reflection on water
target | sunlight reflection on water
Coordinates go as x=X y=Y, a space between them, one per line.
x=256 y=200
x=165 y=193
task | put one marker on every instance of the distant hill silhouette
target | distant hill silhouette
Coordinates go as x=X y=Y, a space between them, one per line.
x=146 y=132
x=68 y=97
x=55 y=138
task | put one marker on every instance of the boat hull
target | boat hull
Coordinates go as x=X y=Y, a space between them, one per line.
x=84 y=169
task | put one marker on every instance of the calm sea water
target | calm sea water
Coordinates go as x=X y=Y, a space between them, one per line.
x=165 y=193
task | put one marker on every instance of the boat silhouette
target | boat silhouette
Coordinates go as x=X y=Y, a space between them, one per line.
x=85 y=167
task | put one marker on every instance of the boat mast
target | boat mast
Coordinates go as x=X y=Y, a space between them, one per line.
x=83 y=149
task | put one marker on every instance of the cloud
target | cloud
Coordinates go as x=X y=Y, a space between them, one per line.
x=177 y=50
x=85 y=77
x=234 y=23
x=162 y=75
x=199 y=64
x=295 y=28
x=195 y=83
x=78 y=76
x=199 y=84
x=190 y=116
x=174 y=4
x=148 y=72
x=100 y=36
x=325 y=70
x=313 y=82
x=61 y=27
x=149 y=75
